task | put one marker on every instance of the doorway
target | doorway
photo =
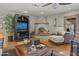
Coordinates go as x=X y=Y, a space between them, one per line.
x=70 y=23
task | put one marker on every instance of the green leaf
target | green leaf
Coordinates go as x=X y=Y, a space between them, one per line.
x=9 y=24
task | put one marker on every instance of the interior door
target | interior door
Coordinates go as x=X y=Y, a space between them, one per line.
x=70 y=22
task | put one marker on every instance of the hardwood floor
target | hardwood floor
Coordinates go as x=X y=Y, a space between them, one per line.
x=63 y=49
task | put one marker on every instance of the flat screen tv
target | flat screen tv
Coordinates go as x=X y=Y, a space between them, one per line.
x=21 y=25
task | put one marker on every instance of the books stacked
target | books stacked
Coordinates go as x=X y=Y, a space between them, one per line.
x=1 y=44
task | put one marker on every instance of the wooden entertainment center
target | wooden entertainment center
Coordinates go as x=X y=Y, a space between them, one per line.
x=21 y=27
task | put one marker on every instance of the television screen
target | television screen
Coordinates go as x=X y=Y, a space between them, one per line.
x=21 y=25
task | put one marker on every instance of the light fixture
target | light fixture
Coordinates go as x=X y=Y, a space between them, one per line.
x=69 y=8
x=55 y=5
x=36 y=5
x=41 y=12
x=25 y=12
x=3 y=22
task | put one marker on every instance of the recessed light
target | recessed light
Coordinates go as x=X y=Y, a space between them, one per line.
x=41 y=12
x=25 y=11
x=3 y=22
x=36 y=5
x=69 y=8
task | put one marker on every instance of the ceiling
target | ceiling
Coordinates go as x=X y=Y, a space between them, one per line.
x=30 y=9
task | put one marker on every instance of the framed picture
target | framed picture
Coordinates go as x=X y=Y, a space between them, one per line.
x=1 y=26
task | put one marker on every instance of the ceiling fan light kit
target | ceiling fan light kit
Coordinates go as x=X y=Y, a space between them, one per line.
x=47 y=4
x=54 y=5
x=65 y=3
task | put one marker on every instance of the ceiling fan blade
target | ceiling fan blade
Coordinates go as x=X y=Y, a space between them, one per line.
x=64 y=3
x=46 y=4
x=55 y=5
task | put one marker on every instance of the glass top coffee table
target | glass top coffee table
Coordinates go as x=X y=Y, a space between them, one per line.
x=32 y=50
x=39 y=50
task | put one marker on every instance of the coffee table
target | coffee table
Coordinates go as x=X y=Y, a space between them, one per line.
x=25 y=50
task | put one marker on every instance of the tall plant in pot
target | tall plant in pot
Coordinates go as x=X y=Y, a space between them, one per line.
x=9 y=26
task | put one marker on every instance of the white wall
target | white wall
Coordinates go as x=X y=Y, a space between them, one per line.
x=60 y=20
x=35 y=19
x=32 y=22
x=50 y=19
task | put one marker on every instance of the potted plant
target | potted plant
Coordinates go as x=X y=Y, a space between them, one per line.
x=9 y=26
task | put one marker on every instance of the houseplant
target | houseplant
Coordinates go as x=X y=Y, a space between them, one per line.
x=9 y=25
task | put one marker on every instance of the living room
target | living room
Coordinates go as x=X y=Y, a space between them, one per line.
x=39 y=29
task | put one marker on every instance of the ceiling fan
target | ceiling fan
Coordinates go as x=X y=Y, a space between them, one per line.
x=55 y=4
